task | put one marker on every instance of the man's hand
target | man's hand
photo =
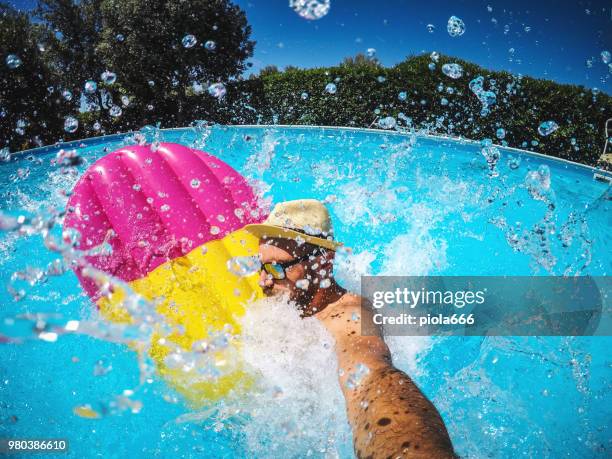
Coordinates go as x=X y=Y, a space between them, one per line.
x=389 y=415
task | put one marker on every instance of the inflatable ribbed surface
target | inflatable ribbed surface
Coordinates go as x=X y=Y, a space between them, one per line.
x=173 y=218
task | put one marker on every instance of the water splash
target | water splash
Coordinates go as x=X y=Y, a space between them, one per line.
x=217 y=90
x=486 y=98
x=547 y=127
x=108 y=77
x=13 y=61
x=330 y=88
x=387 y=123
x=244 y=266
x=90 y=87
x=455 y=26
x=452 y=70
x=492 y=155
x=310 y=9
x=189 y=41
x=71 y=124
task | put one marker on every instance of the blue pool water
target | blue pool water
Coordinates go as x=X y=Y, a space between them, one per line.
x=404 y=204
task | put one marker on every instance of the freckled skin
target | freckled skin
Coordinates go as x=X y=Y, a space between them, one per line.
x=397 y=421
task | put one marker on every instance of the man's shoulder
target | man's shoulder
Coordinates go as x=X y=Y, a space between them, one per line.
x=346 y=304
x=346 y=316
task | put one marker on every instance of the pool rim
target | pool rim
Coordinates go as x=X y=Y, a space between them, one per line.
x=460 y=140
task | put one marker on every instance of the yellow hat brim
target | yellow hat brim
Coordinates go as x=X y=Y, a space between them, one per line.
x=262 y=230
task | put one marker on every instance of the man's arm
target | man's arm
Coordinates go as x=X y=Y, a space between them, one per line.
x=389 y=415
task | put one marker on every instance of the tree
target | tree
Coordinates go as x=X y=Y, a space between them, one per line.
x=73 y=32
x=30 y=104
x=157 y=63
x=360 y=60
x=269 y=70
x=418 y=94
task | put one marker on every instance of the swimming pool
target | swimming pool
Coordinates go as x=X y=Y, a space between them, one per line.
x=405 y=204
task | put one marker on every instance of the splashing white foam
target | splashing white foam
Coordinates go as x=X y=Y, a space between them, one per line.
x=297 y=409
x=349 y=267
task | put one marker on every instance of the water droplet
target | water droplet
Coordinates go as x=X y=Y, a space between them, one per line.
x=189 y=41
x=195 y=183
x=330 y=88
x=310 y=9
x=402 y=96
x=136 y=187
x=527 y=29
x=387 y=123
x=120 y=38
x=164 y=208
x=304 y=96
x=125 y=101
x=500 y=133
x=217 y=90
x=514 y=162
x=210 y=45
x=381 y=79
x=91 y=87
x=371 y=52
x=5 y=155
x=538 y=183
x=435 y=56
x=102 y=367
x=354 y=379
x=214 y=230
x=13 y=61
x=325 y=283
x=67 y=95
x=302 y=284
x=244 y=266
x=108 y=77
x=71 y=124
x=355 y=317
x=492 y=155
x=455 y=26
x=606 y=57
x=547 y=128
x=453 y=70
x=488 y=98
x=115 y=111
x=431 y=28
x=431 y=66
x=444 y=101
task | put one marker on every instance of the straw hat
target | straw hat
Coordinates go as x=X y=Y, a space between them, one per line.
x=307 y=219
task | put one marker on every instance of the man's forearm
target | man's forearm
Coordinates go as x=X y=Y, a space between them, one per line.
x=392 y=418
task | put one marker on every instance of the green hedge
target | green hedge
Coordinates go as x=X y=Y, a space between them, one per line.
x=522 y=103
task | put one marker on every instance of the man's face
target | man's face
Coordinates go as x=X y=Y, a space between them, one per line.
x=283 y=250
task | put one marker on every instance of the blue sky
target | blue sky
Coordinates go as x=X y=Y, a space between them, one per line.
x=563 y=35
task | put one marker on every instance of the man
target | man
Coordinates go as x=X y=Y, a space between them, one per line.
x=389 y=415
